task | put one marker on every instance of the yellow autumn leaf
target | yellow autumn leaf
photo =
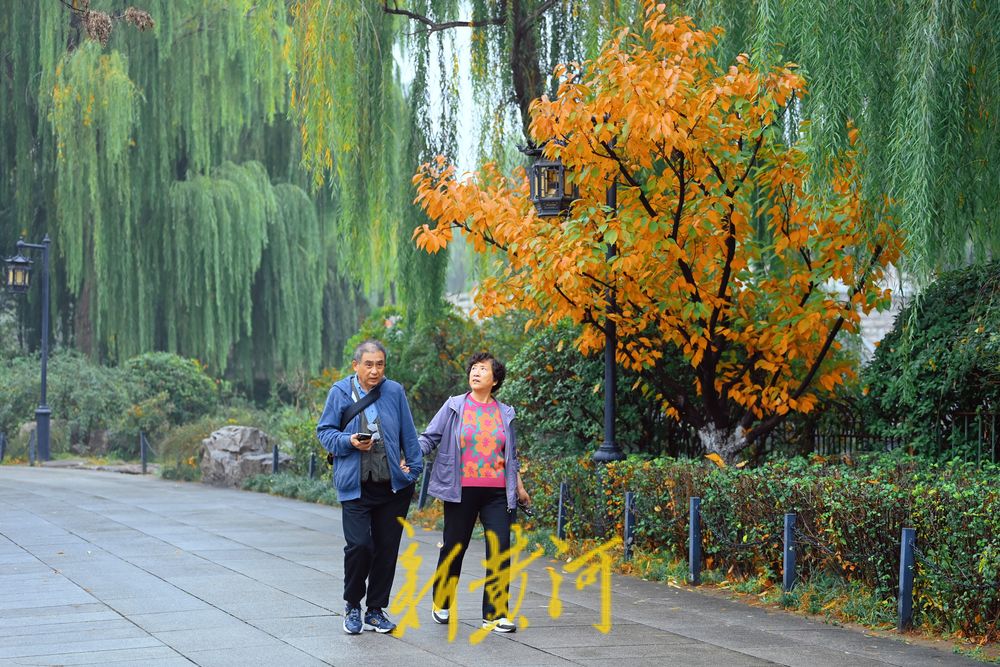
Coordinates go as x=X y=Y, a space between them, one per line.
x=716 y=459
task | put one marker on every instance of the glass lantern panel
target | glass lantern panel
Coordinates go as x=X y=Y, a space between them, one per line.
x=552 y=182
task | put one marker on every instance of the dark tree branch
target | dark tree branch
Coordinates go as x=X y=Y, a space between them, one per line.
x=771 y=422
x=433 y=26
x=678 y=401
x=534 y=16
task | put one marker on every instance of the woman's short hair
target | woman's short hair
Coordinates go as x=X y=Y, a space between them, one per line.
x=499 y=370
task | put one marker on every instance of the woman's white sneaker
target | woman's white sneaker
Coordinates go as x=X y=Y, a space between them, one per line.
x=501 y=625
x=439 y=615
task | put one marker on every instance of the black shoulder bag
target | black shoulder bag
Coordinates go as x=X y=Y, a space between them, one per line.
x=353 y=410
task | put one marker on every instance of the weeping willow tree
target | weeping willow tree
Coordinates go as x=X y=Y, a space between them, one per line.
x=164 y=168
x=919 y=80
x=916 y=77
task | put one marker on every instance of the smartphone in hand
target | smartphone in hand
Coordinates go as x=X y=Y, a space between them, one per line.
x=364 y=437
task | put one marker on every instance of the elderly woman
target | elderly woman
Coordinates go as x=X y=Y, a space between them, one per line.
x=476 y=476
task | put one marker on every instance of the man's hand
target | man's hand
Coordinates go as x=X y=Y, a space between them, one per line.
x=402 y=465
x=362 y=445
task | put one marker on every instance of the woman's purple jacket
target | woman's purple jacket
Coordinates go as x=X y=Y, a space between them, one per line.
x=443 y=434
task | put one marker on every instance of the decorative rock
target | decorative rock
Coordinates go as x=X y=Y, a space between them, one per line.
x=25 y=430
x=234 y=453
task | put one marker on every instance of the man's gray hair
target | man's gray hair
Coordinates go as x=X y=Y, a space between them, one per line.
x=370 y=345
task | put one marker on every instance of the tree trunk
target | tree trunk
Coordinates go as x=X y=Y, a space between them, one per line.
x=83 y=329
x=526 y=77
x=727 y=443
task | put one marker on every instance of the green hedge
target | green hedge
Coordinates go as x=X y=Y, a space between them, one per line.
x=850 y=518
x=942 y=357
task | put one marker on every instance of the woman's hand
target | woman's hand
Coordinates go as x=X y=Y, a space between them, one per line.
x=522 y=495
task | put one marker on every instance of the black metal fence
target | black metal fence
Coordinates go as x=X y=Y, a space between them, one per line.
x=972 y=436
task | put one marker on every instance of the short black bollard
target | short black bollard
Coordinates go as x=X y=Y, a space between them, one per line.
x=142 y=450
x=31 y=449
x=274 y=463
x=629 y=524
x=906 y=564
x=694 y=541
x=3 y=446
x=312 y=466
x=561 y=519
x=424 y=481
x=788 y=572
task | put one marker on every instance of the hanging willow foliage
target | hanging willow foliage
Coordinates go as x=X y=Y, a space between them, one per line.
x=288 y=295
x=93 y=114
x=918 y=79
x=217 y=234
x=128 y=157
x=350 y=109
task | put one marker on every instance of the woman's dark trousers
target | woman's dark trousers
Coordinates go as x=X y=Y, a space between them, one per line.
x=489 y=505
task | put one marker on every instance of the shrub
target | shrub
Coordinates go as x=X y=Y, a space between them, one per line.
x=84 y=397
x=191 y=392
x=941 y=357
x=559 y=397
x=296 y=431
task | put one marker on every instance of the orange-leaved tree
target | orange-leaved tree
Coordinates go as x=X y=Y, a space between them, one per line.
x=725 y=249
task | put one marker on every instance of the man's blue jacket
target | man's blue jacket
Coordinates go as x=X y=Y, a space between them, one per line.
x=395 y=425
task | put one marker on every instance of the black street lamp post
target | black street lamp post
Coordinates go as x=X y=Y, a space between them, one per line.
x=549 y=194
x=609 y=449
x=18 y=272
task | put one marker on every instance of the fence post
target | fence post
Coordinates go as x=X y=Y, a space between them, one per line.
x=629 y=524
x=142 y=451
x=906 y=563
x=31 y=449
x=274 y=463
x=3 y=446
x=788 y=572
x=694 y=541
x=993 y=437
x=424 y=481
x=979 y=438
x=561 y=519
x=312 y=465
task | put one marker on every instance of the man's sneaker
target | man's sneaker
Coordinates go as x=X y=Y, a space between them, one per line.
x=439 y=615
x=502 y=624
x=375 y=619
x=352 y=620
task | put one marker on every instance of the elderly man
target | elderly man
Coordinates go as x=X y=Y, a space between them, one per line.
x=367 y=427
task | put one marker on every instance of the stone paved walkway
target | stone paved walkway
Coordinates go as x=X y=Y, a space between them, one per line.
x=114 y=569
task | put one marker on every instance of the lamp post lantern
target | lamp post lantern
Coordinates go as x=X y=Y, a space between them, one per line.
x=18 y=277
x=551 y=197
